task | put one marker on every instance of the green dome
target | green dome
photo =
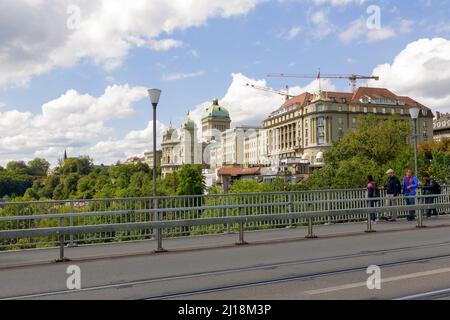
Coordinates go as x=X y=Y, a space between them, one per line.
x=170 y=131
x=216 y=111
x=189 y=123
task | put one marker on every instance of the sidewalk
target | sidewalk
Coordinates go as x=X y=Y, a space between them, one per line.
x=11 y=259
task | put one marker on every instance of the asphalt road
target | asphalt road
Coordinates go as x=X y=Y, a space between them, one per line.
x=415 y=264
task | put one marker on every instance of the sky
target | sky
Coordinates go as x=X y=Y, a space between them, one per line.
x=74 y=73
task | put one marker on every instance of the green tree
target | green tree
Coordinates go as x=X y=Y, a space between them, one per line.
x=38 y=167
x=192 y=181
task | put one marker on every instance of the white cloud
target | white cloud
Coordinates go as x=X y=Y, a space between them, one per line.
x=181 y=75
x=406 y=26
x=421 y=71
x=358 y=30
x=35 y=38
x=251 y=106
x=291 y=34
x=335 y=3
x=321 y=24
x=73 y=121
x=135 y=142
x=380 y=34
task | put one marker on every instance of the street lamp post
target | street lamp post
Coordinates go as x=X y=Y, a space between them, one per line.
x=414 y=112
x=414 y=116
x=155 y=94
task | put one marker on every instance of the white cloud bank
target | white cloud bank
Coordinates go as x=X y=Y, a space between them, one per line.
x=72 y=121
x=422 y=71
x=35 y=38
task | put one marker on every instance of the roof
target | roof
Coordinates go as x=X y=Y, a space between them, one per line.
x=189 y=123
x=216 y=111
x=374 y=93
x=235 y=172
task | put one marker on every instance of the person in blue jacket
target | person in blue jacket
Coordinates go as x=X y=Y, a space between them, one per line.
x=409 y=187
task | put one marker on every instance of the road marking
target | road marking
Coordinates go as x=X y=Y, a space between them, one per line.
x=426 y=295
x=363 y=284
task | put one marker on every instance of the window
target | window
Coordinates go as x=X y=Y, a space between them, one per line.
x=354 y=124
x=384 y=110
x=340 y=108
x=354 y=109
x=320 y=108
x=320 y=130
x=340 y=121
x=306 y=134
x=374 y=110
x=365 y=109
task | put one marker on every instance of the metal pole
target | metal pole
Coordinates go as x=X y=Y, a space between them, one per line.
x=241 y=234
x=311 y=234
x=71 y=242
x=154 y=148
x=159 y=247
x=416 y=167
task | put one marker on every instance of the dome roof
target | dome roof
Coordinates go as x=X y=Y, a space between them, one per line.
x=170 y=130
x=216 y=111
x=189 y=123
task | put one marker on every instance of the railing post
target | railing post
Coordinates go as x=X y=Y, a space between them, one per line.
x=228 y=213
x=310 y=234
x=329 y=206
x=291 y=222
x=159 y=247
x=369 y=224
x=241 y=230
x=71 y=242
x=420 y=224
x=62 y=239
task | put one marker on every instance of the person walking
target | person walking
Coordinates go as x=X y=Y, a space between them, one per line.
x=431 y=187
x=372 y=192
x=409 y=186
x=393 y=189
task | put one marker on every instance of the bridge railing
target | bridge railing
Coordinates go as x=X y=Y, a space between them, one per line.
x=274 y=210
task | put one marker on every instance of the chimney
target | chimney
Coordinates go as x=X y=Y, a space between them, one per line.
x=438 y=115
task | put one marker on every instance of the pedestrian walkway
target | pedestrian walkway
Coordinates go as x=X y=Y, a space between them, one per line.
x=11 y=259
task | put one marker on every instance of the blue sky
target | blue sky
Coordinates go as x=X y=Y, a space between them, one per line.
x=210 y=49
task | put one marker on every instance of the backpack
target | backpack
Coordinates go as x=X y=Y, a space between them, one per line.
x=377 y=193
x=436 y=188
x=398 y=187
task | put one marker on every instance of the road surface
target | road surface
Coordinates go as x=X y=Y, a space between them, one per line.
x=415 y=264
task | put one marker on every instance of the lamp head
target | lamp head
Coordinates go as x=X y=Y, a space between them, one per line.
x=154 y=94
x=414 y=112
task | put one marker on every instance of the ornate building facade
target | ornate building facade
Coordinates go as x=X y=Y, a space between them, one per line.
x=307 y=125
x=441 y=126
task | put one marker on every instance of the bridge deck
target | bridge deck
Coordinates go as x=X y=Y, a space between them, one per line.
x=10 y=259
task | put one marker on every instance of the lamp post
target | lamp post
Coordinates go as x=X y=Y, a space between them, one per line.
x=155 y=94
x=414 y=112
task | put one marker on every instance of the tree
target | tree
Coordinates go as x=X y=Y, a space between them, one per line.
x=38 y=167
x=192 y=181
x=376 y=146
x=19 y=167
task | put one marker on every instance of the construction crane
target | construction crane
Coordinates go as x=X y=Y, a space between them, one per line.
x=352 y=77
x=285 y=94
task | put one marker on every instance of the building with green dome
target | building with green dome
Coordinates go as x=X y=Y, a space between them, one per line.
x=216 y=119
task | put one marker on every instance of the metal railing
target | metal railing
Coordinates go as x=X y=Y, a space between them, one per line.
x=52 y=223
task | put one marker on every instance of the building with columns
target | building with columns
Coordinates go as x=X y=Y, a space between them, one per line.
x=441 y=126
x=304 y=127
